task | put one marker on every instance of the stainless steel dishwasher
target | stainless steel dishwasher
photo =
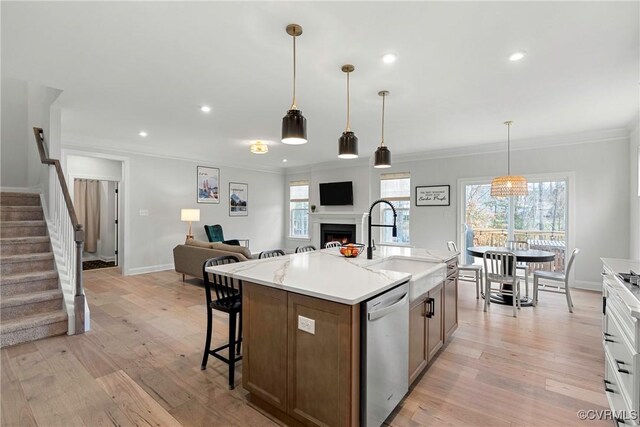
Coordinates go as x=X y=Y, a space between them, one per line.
x=385 y=354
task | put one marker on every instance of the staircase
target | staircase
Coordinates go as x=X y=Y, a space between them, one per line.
x=31 y=303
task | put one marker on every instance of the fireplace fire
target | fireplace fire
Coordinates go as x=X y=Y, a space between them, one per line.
x=343 y=233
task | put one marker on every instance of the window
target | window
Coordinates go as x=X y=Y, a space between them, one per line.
x=299 y=209
x=396 y=188
x=540 y=218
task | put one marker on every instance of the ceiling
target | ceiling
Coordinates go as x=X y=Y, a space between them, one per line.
x=130 y=66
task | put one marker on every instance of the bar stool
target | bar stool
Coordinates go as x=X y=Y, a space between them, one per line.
x=309 y=248
x=332 y=245
x=271 y=254
x=468 y=272
x=228 y=299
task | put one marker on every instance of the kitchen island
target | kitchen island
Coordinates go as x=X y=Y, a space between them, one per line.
x=304 y=327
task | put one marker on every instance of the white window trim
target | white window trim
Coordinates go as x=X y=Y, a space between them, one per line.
x=296 y=184
x=570 y=177
x=387 y=177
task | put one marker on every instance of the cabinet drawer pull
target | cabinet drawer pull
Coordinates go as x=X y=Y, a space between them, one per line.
x=429 y=301
x=606 y=387
x=621 y=370
x=606 y=336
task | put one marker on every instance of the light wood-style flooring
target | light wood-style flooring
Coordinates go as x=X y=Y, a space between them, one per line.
x=140 y=365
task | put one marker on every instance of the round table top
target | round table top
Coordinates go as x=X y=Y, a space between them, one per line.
x=530 y=255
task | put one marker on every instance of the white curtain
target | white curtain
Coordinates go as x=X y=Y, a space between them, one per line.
x=87 y=205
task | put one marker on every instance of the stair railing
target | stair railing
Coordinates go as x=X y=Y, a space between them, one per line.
x=68 y=228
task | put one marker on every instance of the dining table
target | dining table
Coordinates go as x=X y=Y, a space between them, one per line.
x=522 y=255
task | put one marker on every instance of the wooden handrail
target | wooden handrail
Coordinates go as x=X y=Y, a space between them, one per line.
x=78 y=232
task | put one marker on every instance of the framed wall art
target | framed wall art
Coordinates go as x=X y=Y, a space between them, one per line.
x=208 y=185
x=432 y=195
x=238 y=199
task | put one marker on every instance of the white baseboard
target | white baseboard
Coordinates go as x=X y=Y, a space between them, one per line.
x=589 y=286
x=107 y=258
x=149 y=269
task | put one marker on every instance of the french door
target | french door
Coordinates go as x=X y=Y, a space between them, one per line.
x=540 y=218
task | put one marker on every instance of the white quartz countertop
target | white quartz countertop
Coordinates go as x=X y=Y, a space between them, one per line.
x=328 y=275
x=630 y=294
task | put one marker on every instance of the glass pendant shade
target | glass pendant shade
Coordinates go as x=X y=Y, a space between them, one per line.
x=509 y=185
x=294 y=128
x=259 y=147
x=348 y=145
x=382 y=158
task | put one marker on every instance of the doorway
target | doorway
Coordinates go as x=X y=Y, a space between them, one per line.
x=97 y=207
x=541 y=218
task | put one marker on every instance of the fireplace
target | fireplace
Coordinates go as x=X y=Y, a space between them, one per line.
x=343 y=233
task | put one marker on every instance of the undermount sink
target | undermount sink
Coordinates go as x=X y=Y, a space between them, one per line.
x=425 y=275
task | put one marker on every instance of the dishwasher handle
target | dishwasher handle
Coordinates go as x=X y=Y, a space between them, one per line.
x=381 y=312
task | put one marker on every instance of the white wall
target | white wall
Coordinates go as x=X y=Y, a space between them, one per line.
x=14 y=133
x=358 y=174
x=161 y=187
x=107 y=241
x=601 y=203
x=634 y=199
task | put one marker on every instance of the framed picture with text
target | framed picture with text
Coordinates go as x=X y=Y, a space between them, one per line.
x=208 y=185
x=432 y=195
x=238 y=199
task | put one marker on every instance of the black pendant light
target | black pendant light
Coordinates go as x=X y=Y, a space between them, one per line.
x=383 y=155
x=294 y=125
x=348 y=141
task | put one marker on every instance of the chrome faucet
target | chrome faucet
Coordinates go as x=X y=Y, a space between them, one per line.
x=394 y=231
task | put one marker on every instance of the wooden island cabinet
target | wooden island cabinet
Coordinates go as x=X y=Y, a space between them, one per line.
x=281 y=362
x=302 y=336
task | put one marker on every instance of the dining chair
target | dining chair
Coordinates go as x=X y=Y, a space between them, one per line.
x=499 y=267
x=308 y=248
x=521 y=245
x=555 y=277
x=333 y=244
x=228 y=299
x=271 y=254
x=468 y=272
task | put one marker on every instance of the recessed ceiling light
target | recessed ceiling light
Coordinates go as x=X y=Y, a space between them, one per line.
x=284 y=160
x=517 y=56
x=389 y=58
x=205 y=109
x=143 y=133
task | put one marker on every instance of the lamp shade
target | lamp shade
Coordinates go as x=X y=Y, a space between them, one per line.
x=190 y=214
x=348 y=145
x=382 y=157
x=294 y=128
x=509 y=185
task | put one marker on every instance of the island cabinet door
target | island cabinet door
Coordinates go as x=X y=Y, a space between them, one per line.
x=417 y=338
x=324 y=362
x=450 y=306
x=435 y=333
x=264 y=368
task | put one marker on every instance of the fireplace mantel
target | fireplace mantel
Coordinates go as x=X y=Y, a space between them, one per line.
x=317 y=218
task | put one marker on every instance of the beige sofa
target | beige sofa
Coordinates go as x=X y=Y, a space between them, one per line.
x=189 y=257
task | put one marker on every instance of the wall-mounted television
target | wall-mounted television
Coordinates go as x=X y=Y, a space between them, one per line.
x=336 y=193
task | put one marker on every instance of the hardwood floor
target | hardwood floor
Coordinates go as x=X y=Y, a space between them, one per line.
x=140 y=364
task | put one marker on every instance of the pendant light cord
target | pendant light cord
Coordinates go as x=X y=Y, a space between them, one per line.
x=293 y=103
x=382 y=142
x=508 y=148
x=348 y=106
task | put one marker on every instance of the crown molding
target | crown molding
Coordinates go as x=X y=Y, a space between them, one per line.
x=554 y=141
x=83 y=143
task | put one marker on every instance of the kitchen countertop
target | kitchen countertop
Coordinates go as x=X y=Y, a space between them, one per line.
x=328 y=275
x=630 y=294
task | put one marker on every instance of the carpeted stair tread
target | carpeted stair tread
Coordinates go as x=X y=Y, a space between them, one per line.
x=28 y=277
x=27 y=322
x=19 y=199
x=33 y=223
x=30 y=298
x=24 y=240
x=9 y=259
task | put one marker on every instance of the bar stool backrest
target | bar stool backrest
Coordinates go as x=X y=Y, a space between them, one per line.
x=224 y=287
x=271 y=254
